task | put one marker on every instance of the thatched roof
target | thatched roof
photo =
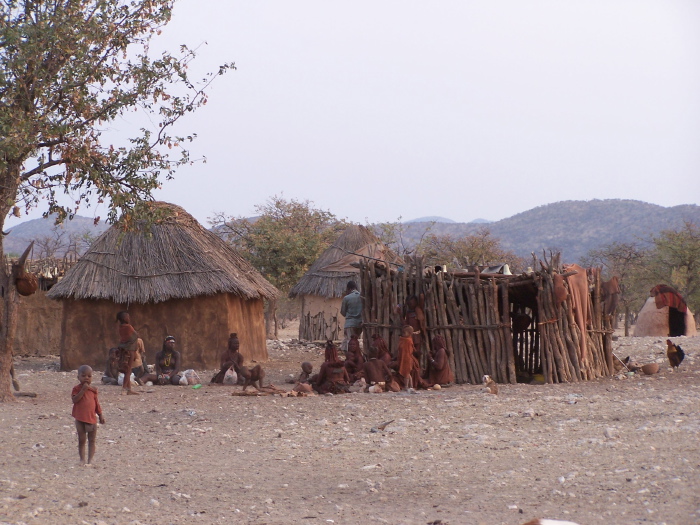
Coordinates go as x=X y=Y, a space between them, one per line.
x=329 y=275
x=175 y=258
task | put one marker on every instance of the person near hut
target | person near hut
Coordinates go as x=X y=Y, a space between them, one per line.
x=230 y=358
x=303 y=382
x=376 y=371
x=332 y=378
x=127 y=349
x=439 y=371
x=382 y=348
x=406 y=364
x=86 y=410
x=331 y=352
x=355 y=359
x=111 y=373
x=412 y=314
x=351 y=310
x=139 y=369
x=167 y=365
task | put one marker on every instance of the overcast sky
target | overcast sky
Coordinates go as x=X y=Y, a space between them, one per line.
x=462 y=109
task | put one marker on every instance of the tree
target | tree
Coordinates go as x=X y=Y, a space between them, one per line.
x=675 y=260
x=282 y=242
x=69 y=69
x=480 y=248
x=627 y=261
x=51 y=245
x=397 y=237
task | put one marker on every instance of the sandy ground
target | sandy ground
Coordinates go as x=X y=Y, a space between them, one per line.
x=614 y=451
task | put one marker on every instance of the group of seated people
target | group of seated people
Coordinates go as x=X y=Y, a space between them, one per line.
x=166 y=370
x=379 y=370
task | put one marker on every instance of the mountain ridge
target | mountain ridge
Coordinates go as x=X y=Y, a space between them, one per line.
x=572 y=227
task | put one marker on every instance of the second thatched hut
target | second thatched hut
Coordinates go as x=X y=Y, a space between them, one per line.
x=322 y=287
x=175 y=278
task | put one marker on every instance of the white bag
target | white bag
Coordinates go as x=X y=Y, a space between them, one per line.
x=230 y=378
x=120 y=378
x=192 y=377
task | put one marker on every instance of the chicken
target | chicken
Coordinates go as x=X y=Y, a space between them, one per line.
x=675 y=354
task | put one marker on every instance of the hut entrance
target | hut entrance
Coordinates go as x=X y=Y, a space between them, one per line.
x=510 y=327
x=676 y=322
x=524 y=319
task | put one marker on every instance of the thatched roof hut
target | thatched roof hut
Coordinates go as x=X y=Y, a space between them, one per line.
x=175 y=278
x=322 y=287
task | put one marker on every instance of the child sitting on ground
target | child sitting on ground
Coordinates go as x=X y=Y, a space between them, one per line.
x=304 y=380
x=85 y=406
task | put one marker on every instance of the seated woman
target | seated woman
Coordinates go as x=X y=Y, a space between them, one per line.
x=167 y=365
x=383 y=353
x=439 y=371
x=331 y=353
x=376 y=370
x=111 y=373
x=230 y=358
x=355 y=359
x=332 y=378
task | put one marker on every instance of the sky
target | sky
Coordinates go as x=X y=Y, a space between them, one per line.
x=461 y=109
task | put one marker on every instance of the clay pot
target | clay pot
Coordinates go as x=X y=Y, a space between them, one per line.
x=27 y=284
x=650 y=368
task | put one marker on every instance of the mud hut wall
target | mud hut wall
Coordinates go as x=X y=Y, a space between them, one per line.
x=38 y=326
x=652 y=321
x=320 y=318
x=200 y=325
x=246 y=317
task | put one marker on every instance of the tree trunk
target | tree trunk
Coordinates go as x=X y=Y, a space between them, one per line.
x=8 y=292
x=10 y=304
x=627 y=321
x=271 y=319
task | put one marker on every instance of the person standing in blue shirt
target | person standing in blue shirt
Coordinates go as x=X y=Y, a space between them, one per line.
x=351 y=309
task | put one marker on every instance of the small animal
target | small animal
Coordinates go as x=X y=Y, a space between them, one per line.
x=252 y=376
x=675 y=354
x=490 y=386
x=381 y=427
x=626 y=363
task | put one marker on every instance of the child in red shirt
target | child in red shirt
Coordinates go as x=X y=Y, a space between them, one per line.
x=85 y=406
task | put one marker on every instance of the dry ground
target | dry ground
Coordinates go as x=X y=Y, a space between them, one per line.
x=614 y=451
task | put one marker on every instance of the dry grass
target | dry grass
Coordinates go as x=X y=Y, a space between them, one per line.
x=174 y=257
x=333 y=283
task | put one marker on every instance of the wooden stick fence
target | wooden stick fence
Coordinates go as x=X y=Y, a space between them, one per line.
x=473 y=313
x=320 y=327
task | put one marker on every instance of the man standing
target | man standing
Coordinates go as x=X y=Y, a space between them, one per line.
x=351 y=309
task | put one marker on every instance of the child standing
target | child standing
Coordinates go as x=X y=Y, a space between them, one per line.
x=127 y=346
x=85 y=406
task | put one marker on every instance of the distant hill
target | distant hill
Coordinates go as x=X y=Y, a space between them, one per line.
x=432 y=218
x=572 y=227
x=21 y=235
